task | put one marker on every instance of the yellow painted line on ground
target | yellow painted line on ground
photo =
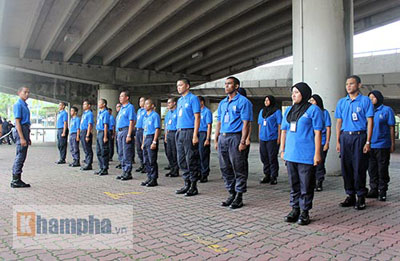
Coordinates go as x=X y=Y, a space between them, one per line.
x=238 y=234
x=212 y=244
x=119 y=195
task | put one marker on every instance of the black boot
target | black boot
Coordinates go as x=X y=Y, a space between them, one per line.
x=118 y=166
x=373 y=193
x=140 y=168
x=229 y=200
x=382 y=195
x=265 y=180
x=360 y=205
x=319 y=186
x=87 y=167
x=76 y=164
x=293 y=216
x=127 y=176
x=152 y=183
x=204 y=179
x=192 y=190
x=350 y=201
x=184 y=189
x=120 y=176
x=103 y=172
x=238 y=202
x=144 y=183
x=274 y=181
x=18 y=183
x=304 y=218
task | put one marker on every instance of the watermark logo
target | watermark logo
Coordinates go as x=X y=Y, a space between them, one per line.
x=26 y=224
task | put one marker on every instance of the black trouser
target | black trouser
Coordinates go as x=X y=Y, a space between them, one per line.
x=204 y=152
x=21 y=152
x=378 y=169
x=320 y=169
x=62 y=143
x=87 y=147
x=269 y=157
x=188 y=155
x=138 y=143
x=74 y=147
x=354 y=162
x=102 y=150
x=150 y=157
x=111 y=144
x=171 y=152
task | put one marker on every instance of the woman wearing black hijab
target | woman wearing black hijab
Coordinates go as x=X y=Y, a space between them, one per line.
x=301 y=149
x=326 y=137
x=269 y=129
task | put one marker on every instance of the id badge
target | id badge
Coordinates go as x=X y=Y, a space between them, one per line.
x=265 y=123
x=293 y=126
x=226 y=118
x=354 y=116
x=180 y=113
x=170 y=122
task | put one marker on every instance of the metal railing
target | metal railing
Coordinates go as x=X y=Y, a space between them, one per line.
x=41 y=135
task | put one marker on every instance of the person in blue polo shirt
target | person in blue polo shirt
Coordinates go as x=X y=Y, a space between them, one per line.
x=86 y=135
x=235 y=112
x=326 y=137
x=103 y=135
x=206 y=120
x=62 y=132
x=301 y=149
x=169 y=137
x=187 y=140
x=117 y=109
x=125 y=125
x=74 y=137
x=111 y=131
x=21 y=132
x=151 y=132
x=139 y=134
x=269 y=129
x=382 y=144
x=354 y=114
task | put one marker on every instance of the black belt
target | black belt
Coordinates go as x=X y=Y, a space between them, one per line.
x=100 y=131
x=354 y=132
x=139 y=128
x=124 y=128
x=168 y=131
x=231 y=133
x=185 y=129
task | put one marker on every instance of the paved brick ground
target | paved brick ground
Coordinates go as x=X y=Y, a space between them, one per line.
x=172 y=227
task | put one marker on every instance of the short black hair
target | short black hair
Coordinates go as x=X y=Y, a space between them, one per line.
x=355 y=77
x=87 y=101
x=185 y=80
x=104 y=101
x=235 y=80
x=201 y=98
x=75 y=109
x=173 y=99
x=127 y=93
x=63 y=103
x=109 y=109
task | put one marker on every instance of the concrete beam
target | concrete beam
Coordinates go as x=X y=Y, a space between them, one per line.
x=271 y=8
x=72 y=4
x=186 y=19
x=374 y=8
x=143 y=28
x=235 y=9
x=2 y=8
x=377 y=20
x=135 y=9
x=95 y=21
x=93 y=74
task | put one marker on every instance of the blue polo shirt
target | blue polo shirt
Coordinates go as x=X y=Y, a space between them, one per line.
x=327 y=123
x=205 y=118
x=61 y=118
x=140 y=115
x=87 y=118
x=232 y=113
x=103 y=117
x=151 y=122
x=300 y=145
x=360 y=108
x=21 y=111
x=269 y=125
x=75 y=124
x=125 y=115
x=171 y=119
x=383 y=119
x=112 y=122
x=187 y=106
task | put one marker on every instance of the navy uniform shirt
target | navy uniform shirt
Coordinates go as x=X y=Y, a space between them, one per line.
x=112 y=122
x=187 y=106
x=354 y=113
x=140 y=115
x=125 y=115
x=170 y=120
x=151 y=122
x=232 y=113
x=327 y=123
x=21 y=111
x=383 y=119
x=61 y=118
x=205 y=118
x=75 y=124
x=300 y=144
x=87 y=118
x=103 y=117
x=269 y=125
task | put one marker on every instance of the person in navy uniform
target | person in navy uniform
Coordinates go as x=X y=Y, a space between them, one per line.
x=21 y=133
x=187 y=139
x=74 y=137
x=169 y=137
x=206 y=120
x=139 y=134
x=269 y=129
x=103 y=137
x=235 y=112
x=111 y=131
x=326 y=137
x=62 y=132
x=301 y=149
x=382 y=144
x=86 y=135
x=151 y=132
x=126 y=119
x=117 y=109
x=354 y=114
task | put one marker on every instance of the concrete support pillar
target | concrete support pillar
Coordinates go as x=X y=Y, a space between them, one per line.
x=111 y=94
x=322 y=54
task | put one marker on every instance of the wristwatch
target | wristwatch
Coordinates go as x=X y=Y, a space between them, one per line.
x=368 y=142
x=154 y=142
